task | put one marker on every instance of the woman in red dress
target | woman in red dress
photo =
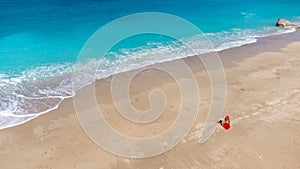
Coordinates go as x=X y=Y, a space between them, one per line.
x=225 y=123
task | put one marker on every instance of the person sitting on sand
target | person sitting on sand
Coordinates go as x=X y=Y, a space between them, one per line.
x=225 y=122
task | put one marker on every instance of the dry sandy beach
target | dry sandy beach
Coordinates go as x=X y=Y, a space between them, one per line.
x=263 y=100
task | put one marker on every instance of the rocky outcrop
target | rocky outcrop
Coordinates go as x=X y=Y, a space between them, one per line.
x=284 y=23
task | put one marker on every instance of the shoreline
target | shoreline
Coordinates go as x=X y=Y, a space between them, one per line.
x=227 y=56
x=270 y=44
x=262 y=100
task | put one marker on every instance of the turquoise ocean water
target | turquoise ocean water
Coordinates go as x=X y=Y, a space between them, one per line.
x=41 y=39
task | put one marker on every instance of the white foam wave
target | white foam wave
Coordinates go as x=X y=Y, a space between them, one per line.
x=232 y=44
x=33 y=92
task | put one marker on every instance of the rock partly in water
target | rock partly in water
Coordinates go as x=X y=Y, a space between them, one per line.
x=284 y=23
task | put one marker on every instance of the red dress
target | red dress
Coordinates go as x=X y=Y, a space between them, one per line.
x=226 y=126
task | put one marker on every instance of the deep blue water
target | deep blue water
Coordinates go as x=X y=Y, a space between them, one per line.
x=41 y=39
